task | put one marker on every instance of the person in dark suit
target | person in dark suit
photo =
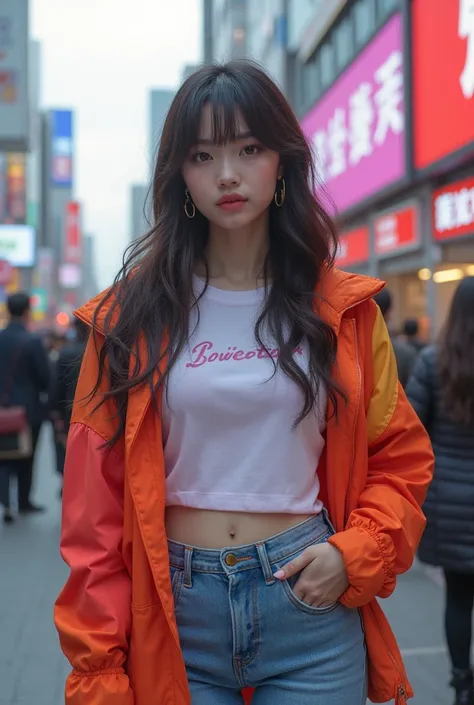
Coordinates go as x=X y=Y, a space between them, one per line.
x=405 y=354
x=411 y=331
x=24 y=378
x=64 y=380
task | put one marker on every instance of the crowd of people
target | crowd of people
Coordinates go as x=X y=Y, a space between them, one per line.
x=38 y=374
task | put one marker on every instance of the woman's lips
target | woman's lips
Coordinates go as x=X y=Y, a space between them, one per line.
x=232 y=206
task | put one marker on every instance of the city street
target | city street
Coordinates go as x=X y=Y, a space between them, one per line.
x=32 y=669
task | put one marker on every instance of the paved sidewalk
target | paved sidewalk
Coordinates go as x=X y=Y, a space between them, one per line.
x=33 y=670
x=32 y=667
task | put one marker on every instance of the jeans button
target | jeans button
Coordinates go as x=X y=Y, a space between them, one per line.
x=231 y=559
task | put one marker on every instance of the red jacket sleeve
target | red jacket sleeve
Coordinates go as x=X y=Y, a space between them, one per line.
x=93 y=612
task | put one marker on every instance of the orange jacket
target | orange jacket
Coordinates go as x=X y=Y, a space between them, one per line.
x=115 y=614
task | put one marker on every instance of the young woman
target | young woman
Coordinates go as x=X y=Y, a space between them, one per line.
x=244 y=475
x=442 y=392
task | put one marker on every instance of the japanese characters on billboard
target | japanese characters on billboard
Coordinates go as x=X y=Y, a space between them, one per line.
x=61 y=122
x=397 y=231
x=14 y=118
x=443 y=78
x=72 y=237
x=358 y=127
x=453 y=210
x=353 y=248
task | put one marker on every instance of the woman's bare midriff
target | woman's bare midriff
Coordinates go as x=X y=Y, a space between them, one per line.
x=204 y=528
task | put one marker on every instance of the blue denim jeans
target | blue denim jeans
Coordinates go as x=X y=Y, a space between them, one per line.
x=240 y=627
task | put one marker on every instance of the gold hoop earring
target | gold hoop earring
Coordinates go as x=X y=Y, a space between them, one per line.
x=189 y=204
x=280 y=194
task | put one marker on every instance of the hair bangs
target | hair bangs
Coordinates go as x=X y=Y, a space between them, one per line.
x=232 y=98
x=224 y=104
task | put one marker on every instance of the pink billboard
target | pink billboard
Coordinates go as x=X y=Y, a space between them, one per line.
x=357 y=129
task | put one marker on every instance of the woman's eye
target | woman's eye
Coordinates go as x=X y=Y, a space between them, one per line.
x=200 y=157
x=250 y=150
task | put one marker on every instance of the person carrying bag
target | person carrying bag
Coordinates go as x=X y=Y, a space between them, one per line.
x=15 y=432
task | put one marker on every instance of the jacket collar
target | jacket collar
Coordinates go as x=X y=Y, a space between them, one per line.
x=339 y=291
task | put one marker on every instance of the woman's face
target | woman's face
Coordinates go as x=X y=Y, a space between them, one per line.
x=232 y=184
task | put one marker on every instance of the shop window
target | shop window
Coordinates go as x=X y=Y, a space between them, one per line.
x=344 y=43
x=364 y=21
x=386 y=7
x=328 y=65
x=315 y=78
x=311 y=87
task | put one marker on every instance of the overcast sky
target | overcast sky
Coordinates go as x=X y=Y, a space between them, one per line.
x=100 y=57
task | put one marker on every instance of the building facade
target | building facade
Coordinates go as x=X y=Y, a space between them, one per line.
x=257 y=29
x=90 y=287
x=139 y=205
x=229 y=30
x=394 y=153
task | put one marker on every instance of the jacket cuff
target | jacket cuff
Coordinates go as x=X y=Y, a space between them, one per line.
x=365 y=566
x=102 y=687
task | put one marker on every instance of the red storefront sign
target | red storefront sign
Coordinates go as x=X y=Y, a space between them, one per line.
x=443 y=78
x=72 y=235
x=453 y=210
x=353 y=247
x=396 y=231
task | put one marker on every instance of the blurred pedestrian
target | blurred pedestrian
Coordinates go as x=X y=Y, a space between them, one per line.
x=411 y=332
x=24 y=378
x=404 y=353
x=442 y=392
x=221 y=526
x=65 y=374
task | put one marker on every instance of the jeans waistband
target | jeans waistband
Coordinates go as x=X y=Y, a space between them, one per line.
x=235 y=559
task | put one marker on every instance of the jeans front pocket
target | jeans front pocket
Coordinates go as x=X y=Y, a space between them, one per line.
x=289 y=584
x=177 y=577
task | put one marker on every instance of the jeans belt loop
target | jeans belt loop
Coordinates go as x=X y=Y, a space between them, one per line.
x=265 y=563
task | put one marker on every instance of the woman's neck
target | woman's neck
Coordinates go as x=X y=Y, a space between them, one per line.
x=236 y=258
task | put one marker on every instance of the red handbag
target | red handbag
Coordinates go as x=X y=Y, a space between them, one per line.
x=12 y=420
x=15 y=432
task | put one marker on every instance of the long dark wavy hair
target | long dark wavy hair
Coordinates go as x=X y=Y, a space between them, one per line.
x=153 y=294
x=456 y=358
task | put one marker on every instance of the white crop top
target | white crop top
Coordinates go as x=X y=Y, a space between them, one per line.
x=229 y=440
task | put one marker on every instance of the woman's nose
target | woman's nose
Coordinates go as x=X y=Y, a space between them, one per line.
x=228 y=175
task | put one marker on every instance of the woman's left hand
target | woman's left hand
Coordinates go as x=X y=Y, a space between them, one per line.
x=323 y=576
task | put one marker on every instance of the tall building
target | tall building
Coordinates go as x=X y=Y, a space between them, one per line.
x=90 y=285
x=257 y=29
x=33 y=166
x=225 y=24
x=267 y=36
x=207 y=43
x=139 y=210
x=17 y=106
x=160 y=100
